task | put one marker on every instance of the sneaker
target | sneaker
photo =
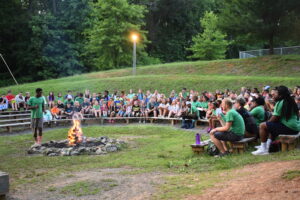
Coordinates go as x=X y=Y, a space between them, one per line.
x=208 y=130
x=260 y=152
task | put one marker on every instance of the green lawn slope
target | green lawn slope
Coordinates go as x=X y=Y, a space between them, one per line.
x=199 y=75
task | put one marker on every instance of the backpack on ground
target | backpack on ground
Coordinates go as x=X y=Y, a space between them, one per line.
x=212 y=150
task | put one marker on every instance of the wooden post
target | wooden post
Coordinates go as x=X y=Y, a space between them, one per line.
x=283 y=147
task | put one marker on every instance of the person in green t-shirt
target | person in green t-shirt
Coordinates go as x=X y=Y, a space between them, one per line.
x=80 y=99
x=258 y=110
x=232 y=130
x=285 y=120
x=36 y=105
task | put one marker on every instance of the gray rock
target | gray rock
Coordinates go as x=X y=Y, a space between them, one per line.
x=53 y=154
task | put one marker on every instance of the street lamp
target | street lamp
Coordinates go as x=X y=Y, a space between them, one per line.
x=134 y=38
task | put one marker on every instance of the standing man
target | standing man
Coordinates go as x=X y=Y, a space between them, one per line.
x=37 y=106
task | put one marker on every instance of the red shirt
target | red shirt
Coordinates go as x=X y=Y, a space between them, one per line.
x=10 y=97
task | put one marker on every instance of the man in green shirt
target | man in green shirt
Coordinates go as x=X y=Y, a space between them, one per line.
x=36 y=105
x=232 y=130
x=285 y=120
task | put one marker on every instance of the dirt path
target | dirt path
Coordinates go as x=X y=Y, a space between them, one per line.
x=258 y=181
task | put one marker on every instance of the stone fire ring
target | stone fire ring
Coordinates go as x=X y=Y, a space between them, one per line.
x=91 y=146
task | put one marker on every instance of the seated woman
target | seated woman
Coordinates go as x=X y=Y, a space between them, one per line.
x=285 y=120
x=250 y=123
x=232 y=130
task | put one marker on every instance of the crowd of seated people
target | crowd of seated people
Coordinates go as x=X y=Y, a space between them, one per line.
x=231 y=115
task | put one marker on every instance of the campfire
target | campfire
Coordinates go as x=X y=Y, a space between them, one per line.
x=75 y=135
x=76 y=144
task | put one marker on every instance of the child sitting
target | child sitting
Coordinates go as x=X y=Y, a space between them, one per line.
x=86 y=106
x=136 y=110
x=69 y=111
x=122 y=110
x=128 y=110
x=104 y=108
x=55 y=111
x=96 y=109
x=163 y=108
x=77 y=110
x=173 y=109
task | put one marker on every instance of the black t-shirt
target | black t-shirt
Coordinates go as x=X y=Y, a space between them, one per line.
x=136 y=108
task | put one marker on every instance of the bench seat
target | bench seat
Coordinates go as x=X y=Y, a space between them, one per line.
x=240 y=146
x=288 y=142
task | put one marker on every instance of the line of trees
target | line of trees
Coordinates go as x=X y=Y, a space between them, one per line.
x=43 y=39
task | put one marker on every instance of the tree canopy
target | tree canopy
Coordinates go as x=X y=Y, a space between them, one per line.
x=42 y=39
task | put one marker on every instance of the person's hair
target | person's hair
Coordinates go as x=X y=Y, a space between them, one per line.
x=241 y=101
x=38 y=90
x=259 y=100
x=228 y=102
x=289 y=106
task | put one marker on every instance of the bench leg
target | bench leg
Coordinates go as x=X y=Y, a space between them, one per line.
x=283 y=147
x=127 y=121
x=8 y=129
x=172 y=122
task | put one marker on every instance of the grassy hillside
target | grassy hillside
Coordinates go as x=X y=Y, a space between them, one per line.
x=200 y=75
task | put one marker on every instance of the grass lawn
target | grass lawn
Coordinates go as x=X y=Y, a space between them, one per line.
x=158 y=148
x=199 y=75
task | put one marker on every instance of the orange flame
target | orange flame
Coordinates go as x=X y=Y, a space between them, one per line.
x=75 y=133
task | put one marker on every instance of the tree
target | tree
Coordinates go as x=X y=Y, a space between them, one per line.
x=109 y=44
x=57 y=41
x=210 y=44
x=258 y=21
x=172 y=24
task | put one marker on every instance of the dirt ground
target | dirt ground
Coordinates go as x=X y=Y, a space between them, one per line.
x=127 y=185
x=257 y=182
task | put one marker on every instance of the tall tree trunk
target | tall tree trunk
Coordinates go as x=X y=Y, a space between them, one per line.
x=271 y=45
x=54 y=6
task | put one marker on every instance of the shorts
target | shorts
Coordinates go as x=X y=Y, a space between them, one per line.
x=37 y=123
x=277 y=128
x=228 y=136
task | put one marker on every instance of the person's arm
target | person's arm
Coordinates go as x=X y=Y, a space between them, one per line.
x=274 y=118
x=30 y=105
x=223 y=128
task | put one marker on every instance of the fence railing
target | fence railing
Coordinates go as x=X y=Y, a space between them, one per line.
x=263 y=52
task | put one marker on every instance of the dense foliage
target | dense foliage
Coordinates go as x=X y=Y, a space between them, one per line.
x=211 y=44
x=43 y=39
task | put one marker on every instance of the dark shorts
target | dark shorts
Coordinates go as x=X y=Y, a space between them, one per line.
x=37 y=123
x=277 y=128
x=228 y=136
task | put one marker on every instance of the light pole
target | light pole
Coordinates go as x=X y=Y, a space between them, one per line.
x=134 y=38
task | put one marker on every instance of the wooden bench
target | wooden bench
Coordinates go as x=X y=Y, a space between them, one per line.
x=240 y=146
x=9 y=126
x=15 y=116
x=288 y=142
x=199 y=148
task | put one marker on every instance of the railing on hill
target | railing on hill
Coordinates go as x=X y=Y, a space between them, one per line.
x=263 y=52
